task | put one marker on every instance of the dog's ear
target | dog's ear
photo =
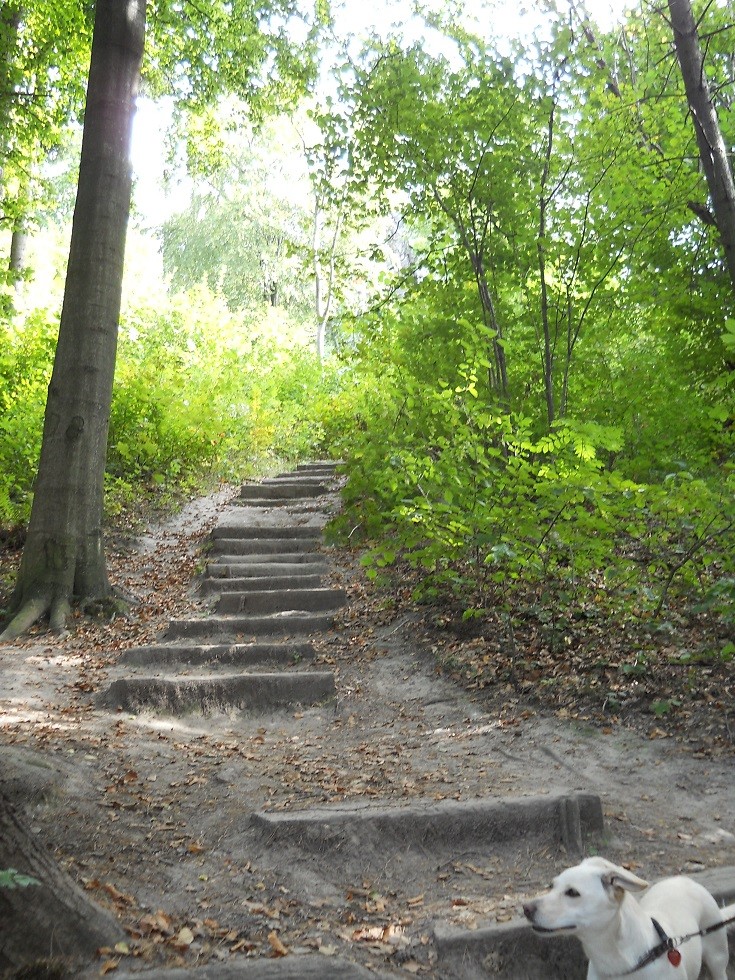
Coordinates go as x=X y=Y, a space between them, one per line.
x=622 y=880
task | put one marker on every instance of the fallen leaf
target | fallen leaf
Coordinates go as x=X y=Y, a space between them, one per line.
x=276 y=945
x=184 y=939
x=116 y=895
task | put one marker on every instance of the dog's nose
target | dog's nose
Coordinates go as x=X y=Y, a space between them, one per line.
x=529 y=910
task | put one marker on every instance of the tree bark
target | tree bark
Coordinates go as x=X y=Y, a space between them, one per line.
x=712 y=149
x=549 y=345
x=53 y=919
x=18 y=254
x=63 y=559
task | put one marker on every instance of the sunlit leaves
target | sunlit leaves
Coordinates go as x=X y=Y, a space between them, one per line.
x=44 y=56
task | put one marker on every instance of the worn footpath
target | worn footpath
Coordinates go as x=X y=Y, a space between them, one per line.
x=277 y=782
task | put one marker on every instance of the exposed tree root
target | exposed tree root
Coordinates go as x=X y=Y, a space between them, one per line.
x=59 y=609
x=28 y=614
x=54 y=916
x=107 y=607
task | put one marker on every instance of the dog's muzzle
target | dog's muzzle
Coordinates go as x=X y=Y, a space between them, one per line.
x=530 y=909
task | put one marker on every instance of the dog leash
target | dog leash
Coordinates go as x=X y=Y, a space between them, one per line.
x=669 y=944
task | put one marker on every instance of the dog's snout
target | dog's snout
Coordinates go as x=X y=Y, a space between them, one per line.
x=529 y=910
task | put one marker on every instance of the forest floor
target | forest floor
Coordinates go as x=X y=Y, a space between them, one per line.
x=150 y=814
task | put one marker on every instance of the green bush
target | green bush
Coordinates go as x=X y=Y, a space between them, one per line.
x=490 y=508
x=201 y=394
x=26 y=360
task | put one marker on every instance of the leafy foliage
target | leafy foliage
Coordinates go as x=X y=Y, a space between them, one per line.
x=488 y=509
x=240 y=233
x=201 y=394
x=10 y=878
x=544 y=195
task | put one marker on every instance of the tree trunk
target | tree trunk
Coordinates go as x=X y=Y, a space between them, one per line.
x=498 y=376
x=548 y=351
x=18 y=254
x=64 y=559
x=53 y=919
x=323 y=306
x=712 y=149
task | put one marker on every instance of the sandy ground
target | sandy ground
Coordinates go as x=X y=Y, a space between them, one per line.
x=152 y=814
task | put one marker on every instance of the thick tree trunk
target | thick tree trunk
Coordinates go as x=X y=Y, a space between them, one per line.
x=64 y=557
x=51 y=920
x=712 y=149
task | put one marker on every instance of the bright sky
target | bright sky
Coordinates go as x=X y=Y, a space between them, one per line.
x=354 y=17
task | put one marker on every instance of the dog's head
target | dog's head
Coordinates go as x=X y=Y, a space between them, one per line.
x=585 y=897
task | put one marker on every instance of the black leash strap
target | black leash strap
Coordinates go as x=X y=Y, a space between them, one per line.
x=668 y=945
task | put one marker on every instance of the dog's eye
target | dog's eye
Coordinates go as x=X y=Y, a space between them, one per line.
x=571 y=893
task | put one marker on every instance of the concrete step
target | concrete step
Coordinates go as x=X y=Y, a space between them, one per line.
x=282 y=490
x=293 y=504
x=306 y=477
x=271 y=532
x=217 y=654
x=259 y=583
x=286 y=564
x=569 y=819
x=263 y=546
x=247 y=692
x=295 y=966
x=283 y=624
x=322 y=465
x=281 y=600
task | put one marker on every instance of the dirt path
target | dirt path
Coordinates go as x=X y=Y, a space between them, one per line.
x=152 y=813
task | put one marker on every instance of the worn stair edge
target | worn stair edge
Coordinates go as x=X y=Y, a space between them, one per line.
x=306 y=477
x=282 y=490
x=295 y=966
x=258 y=583
x=237 y=530
x=255 y=564
x=194 y=655
x=509 y=950
x=264 y=601
x=249 y=692
x=329 y=465
x=512 y=950
x=263 y=546
x=300 y=504
x=287 y=624
x=567 y=818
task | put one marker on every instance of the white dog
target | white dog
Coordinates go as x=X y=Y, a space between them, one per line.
x=626 y=938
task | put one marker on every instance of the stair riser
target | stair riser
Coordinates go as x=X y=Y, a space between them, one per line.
x=283 y=490
x=263 y=546
x=246 y=626
x=257 y=583
x=216 y=655
x=247 y=692
x=265 y=533
x=262 y=603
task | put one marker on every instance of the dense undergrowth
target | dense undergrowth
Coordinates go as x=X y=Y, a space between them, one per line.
x=565 y=570
x=201 y=395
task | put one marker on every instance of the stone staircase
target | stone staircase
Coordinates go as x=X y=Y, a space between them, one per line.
x=251 y=649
